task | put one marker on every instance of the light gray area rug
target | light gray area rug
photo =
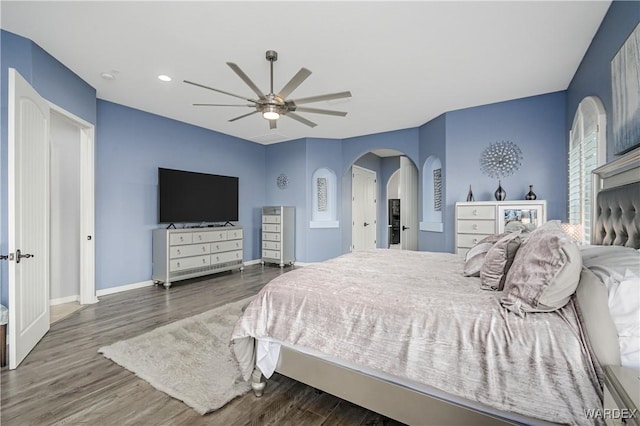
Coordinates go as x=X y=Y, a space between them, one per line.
x=190 y=359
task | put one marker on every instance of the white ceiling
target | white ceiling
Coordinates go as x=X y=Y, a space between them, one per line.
x=404 y=62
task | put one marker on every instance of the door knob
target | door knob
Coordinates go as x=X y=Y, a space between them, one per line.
x=405 y=227
x=19 y=255
x=366 y=224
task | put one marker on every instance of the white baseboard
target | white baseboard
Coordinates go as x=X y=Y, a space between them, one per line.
x=62 y=300
x=122 y=288
x=252 y=262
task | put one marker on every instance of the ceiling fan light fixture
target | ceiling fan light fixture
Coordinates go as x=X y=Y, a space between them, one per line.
x=270 y=113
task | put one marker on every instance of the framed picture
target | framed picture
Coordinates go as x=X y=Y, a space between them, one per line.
x=625 y=85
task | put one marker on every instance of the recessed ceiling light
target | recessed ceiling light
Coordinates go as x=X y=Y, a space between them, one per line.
x=164 y=77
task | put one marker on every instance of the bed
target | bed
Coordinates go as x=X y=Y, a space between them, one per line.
x=407 y=335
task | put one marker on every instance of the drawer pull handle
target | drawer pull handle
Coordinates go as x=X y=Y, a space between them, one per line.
x=475 y=241
x=204 y=261
x=178 y=264
x=203 y=249
x=475 y=226
x=475 y=212
x=179 y=252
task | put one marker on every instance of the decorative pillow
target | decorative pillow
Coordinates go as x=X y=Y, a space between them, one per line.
x=475 y=258
x=544 y=273
x=592 y=304
x=498 y=260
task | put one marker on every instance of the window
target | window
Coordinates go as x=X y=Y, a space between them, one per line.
x=586 y=152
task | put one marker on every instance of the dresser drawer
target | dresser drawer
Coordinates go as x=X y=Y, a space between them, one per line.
x=188 y=263
x=270 y=227
x=269 y=218
x=476 y=226
x=207 y=236
x=181 y=238
x=270 y=236
x=476 y=212
x=189 y=250
x=271 y=254
x=226 y=246
x=227 y=256
x=271 y=245
x=234 y=234
x=470 y=240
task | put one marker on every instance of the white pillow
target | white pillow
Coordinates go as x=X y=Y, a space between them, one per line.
x=624 y=306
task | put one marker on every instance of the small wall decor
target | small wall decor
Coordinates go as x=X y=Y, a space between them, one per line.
x=282 y=181
x=625 y=85
x=498 y=160
x=437 y=190
x=321 y=182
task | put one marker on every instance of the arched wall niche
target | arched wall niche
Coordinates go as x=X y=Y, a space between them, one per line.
x=324 y=209
x=432 y=195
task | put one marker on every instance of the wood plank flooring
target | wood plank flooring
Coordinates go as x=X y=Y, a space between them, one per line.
x=65 y=381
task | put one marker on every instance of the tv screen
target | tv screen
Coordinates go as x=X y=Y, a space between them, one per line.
x=196 y=197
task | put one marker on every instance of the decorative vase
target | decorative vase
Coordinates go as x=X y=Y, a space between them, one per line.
x=500 y=193
x=530 y=195
x=470 y=194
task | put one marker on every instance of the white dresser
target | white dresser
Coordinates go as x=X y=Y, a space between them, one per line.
x=477 y=220
x=278 y=235
x=179 y=254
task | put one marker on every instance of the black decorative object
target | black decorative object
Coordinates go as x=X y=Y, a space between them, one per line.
x=500 y=193
x=470 y=194
x=530 y=195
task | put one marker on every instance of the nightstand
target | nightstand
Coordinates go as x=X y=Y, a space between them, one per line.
x=621 y=396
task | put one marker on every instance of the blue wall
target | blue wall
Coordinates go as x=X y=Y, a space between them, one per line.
x=536 y=124
x=132 y=145
x=593 y=77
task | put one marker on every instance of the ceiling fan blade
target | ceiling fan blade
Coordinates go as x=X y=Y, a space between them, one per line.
x=220 y=91
x=294 y=82
x=300 y=119
x=320 y=111
x=319 y=98
x=247 y=80
x=272 y=124
x=243 y=116
x=246 y=105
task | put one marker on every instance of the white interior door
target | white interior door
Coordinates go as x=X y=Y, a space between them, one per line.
x=28 y=171
x=408 y=204
x=363 y=191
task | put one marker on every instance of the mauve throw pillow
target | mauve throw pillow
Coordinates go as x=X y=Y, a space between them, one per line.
x=544 y=273
x=498 y=260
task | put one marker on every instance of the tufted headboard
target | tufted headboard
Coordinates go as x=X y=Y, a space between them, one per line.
x=618 y=216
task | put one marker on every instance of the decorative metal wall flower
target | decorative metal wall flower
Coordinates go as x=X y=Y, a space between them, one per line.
x=501 y=159
x=498 y=160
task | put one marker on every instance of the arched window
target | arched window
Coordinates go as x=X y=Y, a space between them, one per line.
x=587 y=150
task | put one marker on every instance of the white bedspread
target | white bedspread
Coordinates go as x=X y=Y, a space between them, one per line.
x=413 y=315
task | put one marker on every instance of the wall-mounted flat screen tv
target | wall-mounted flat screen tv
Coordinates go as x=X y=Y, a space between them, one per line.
x=196 y=197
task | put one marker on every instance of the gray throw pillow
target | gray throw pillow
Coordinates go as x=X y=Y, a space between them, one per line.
x=544 y=273
x=475 y=258
x=498 y=260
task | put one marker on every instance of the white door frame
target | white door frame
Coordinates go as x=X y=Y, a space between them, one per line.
x=87 y=205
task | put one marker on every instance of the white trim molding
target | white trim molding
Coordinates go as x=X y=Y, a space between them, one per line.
x=122 y=288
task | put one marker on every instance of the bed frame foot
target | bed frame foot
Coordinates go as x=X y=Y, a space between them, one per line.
x=256 y=382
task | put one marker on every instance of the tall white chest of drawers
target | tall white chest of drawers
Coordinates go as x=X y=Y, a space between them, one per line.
x=278 y=235
x=179 y=254
x=477 y=220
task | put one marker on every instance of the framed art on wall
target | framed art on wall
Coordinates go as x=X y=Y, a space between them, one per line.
x=625 y=87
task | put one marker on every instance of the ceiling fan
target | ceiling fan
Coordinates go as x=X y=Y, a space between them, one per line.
x=274 y=105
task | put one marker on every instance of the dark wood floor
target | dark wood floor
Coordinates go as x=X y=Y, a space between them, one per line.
x=65 y=381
